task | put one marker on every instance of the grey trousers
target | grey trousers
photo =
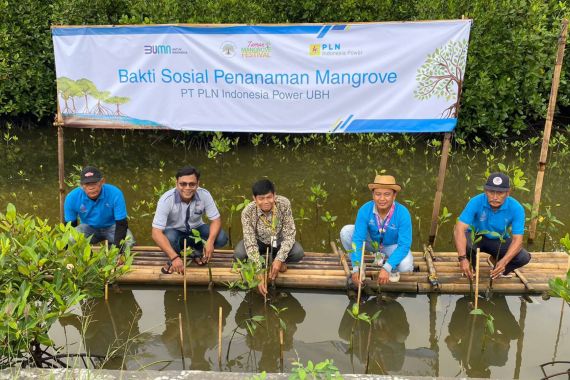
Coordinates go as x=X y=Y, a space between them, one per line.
x=296 y=253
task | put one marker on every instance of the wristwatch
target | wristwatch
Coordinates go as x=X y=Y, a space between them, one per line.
x=461 y=258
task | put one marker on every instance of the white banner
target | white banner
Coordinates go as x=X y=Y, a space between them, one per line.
x=373 y=77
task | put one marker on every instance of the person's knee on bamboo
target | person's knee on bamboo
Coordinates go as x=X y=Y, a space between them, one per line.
x=383 y=225
x=179 y=211
x=268 y=227
x=496 y=220
x=100 y=208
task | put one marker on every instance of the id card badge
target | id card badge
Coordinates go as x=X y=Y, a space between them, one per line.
x=274 y=242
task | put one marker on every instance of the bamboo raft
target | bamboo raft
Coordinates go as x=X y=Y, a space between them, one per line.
x=433 y=272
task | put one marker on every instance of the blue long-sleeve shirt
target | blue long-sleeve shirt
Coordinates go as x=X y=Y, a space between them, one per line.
x=398 y=231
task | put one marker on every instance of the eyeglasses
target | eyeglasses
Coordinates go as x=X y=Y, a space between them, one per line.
x=191 y=185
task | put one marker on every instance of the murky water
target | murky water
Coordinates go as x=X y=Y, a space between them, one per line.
x=143 y=165
x=415 y=335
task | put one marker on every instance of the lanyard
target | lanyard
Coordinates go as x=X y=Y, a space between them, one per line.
x=382 y=226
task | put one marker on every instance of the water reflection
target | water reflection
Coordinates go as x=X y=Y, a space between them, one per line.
x=199 y=324
x=111 y=327
x=386 y=353
x=266 y=337
x=471 y=345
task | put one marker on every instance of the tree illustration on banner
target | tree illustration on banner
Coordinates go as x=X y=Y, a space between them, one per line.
x=441 y=75
x=117 y=100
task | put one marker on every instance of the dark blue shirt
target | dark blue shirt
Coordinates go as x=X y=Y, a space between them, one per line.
x=479 y=214
x=100 y=213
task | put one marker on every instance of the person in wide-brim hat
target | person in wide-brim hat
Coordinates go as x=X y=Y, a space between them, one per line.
x=385 y=227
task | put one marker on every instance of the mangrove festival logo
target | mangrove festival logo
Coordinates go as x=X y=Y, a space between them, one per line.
x=333 y=49
x=228 y=49
x=162 y=50
x=256 y=49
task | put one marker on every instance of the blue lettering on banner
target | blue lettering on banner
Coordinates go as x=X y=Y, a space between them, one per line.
x=157 y=49
x=139 y=76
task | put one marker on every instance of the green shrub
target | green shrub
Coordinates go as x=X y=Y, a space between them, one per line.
x=44 y=271
x=509 y=69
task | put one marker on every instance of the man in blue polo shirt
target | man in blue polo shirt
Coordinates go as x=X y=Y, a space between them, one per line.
x=100 y=207
x=495 y=213
x=384 y=225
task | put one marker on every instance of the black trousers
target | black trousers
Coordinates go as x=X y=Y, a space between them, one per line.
x=496 y=249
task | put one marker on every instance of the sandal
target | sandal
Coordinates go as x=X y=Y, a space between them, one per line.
x=167 y=268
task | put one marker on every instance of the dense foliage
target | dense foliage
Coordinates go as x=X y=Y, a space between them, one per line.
x=44 y=271
x=510 y=61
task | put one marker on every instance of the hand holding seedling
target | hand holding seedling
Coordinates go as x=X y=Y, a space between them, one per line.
x=275 y=268
x=499 y=269
x=208 y=251
x=465 y=266
x=383 y=276
x=356 y=278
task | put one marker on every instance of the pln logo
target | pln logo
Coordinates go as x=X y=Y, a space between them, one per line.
x=315 y=49
x=157 y=49
x=323 y=49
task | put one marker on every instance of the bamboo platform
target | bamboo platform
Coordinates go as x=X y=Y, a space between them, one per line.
x=433 y=272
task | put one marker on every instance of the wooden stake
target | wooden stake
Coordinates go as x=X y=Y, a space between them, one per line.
x=342 y=258
x=547 y=129
x=184 y=273
x=281 y=348
x=106 y=283
x=439 y=190
x=220 y=338
x=361 y=275
x=477 y=279
x=266 y=277
x=181 y=340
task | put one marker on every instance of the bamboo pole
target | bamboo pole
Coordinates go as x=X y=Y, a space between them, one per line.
x=184 y=273
x=281 y=343
x=60 y=161
x=524 y=280
x=439 y=190
x=220 y=338
x=520 y=340
x=342 y=258
x=106 y=282
x=181 y=340
x=547 y=128
x=266 y=277
x=361 y=275
x=477 y=280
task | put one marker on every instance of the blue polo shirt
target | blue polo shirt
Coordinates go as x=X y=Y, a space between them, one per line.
x=100 y=213
x=479 y=214
x=398 y=231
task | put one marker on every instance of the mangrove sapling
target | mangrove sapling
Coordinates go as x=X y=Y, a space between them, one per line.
x=299 y=220
x=364 y=317
x=45 y=271
x=318 y=196
x=199 y=241
x=560 y=287
x=233 y=209
x=330 y=220
x=282 y=329
x=489 y=325
x=322 y=370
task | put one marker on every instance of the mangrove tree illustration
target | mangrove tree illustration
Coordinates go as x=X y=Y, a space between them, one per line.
x=441 y=75
x=70 y=89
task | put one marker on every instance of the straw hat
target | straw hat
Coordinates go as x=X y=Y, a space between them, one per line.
x=384 y=182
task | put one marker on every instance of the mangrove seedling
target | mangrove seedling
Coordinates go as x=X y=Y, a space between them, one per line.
x=199 y=241
x=318 y=196
x=322 y=370
x=233 y=209
x=330 y=221
x=299 y=220
x=560 y=287
x=489 y=325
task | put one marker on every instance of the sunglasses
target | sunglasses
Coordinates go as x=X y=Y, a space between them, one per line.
x=191 y=185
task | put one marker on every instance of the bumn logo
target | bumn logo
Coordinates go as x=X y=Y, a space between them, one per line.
x=157 y=49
